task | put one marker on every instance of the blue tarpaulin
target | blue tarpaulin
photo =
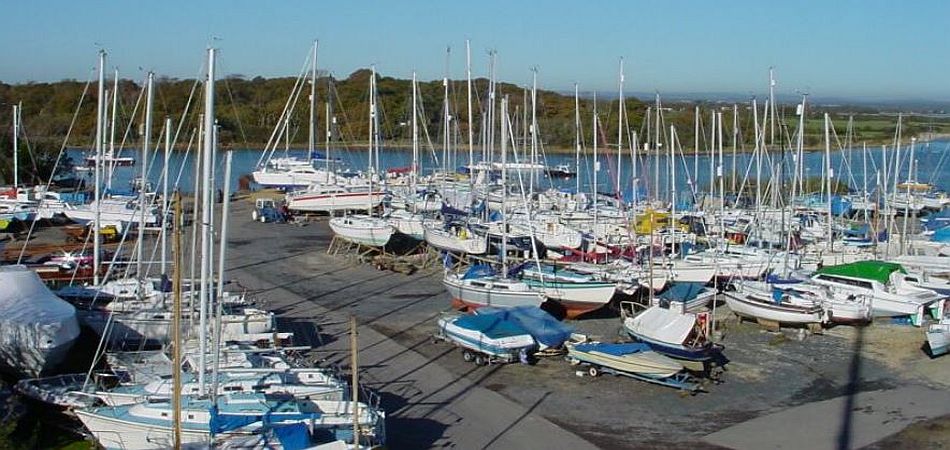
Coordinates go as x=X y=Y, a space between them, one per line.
x=543 y=327
x=293 y=437
x=613 y=349
x=478 y=271
x=683 y=291
x=494 y=326
x=941 y=235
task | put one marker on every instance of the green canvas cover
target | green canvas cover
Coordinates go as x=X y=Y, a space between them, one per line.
x=868 y=270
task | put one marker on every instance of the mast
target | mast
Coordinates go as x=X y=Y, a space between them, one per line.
x=146 y=142
x=16 y=135
x=222 y=254
x=722 y=191
x=620 y=131
x=204 y=291
x=115 y=112
x=471 y=136
x=534 y=128
x=415 y=134
x=596 y=161
x=695 y=152
x=830 y=175
x=712 y=158
x=312 y=138
x=355 y=382
x=446 y=116
x=98 y=175
x=758 y=157
x=735 y=138
x=165 y=204
x=577 y=141
x=504 y=186
x=196 y=189
x=909 y=200
x=674 y=139
x=176 y=326
x=772 y=106
x=656 y=150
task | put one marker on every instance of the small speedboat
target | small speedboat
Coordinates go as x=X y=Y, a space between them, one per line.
x=636 y=358
x=487 y=334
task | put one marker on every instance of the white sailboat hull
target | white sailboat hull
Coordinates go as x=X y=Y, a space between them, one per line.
x=332 y=202
x=362 y=230
x=474 y=296
x=443 y=240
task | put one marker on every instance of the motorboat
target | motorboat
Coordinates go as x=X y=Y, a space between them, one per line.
x=489 y=334
x=633 y=357
x=329 y=198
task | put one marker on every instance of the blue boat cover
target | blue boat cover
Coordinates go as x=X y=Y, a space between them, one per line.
x=941 y=235
x=543 y=327
x=478 y=271
x=683 y=291
x=293 y=437
x=613 y=349
x=494 y=326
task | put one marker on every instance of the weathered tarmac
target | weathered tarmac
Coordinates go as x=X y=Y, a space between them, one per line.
x=434 y=399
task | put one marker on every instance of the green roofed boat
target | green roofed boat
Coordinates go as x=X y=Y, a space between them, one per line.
x=891 y=295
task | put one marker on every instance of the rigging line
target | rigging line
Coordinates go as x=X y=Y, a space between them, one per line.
x=62 y=150
x=274 y=135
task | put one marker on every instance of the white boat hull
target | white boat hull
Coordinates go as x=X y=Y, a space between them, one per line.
x=465 y=293
x=333 y=202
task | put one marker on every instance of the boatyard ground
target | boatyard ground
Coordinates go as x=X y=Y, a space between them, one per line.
x=847 y=387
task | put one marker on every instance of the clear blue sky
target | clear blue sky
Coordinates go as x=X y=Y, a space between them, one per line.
x=875 y=49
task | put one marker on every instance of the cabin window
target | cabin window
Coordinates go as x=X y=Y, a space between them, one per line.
x=911 y=279
x=191 y=416
x=164 y=414
x=847 y=281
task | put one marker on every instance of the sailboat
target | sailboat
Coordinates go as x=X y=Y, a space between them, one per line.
x=366 y=229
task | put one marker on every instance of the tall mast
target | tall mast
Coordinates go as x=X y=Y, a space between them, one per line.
x=415 y=133
x=468 y=74
x=757 y=153
x=447 y=116
x=596 y=161
x=735 y=138
x=695 y=151
x=828 y=177
x=712 y=157
x=146 y=142
x=620 y=112
x=534 y=127
x=504 y=186
x=222 y=254
x=98 y=175
x=115 y=112
x=165 y=204
x=772 y=107
x=722 y=190
x=674 y=139
x=656 y=150
x=176 y=326
x=204 y=290
x=577 y=141
x=16 y=135
x=909 y=199
x=312 y=138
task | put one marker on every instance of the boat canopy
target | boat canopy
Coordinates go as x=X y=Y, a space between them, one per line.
x=661 y=324
x=683 y=291
x=493 y=326
x=543 y=327
x=879 y=271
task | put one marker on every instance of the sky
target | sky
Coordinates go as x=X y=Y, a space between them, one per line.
x=874 y=49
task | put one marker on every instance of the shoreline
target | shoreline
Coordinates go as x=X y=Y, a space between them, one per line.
x=555 y=150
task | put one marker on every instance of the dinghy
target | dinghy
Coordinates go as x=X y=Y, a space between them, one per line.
x=679 y=335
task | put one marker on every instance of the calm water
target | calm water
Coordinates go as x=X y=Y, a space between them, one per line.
x=929 y=167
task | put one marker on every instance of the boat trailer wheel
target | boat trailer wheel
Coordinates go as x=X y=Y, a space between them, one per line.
x=468 y=356
x=480 y=360
x=593 y=371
